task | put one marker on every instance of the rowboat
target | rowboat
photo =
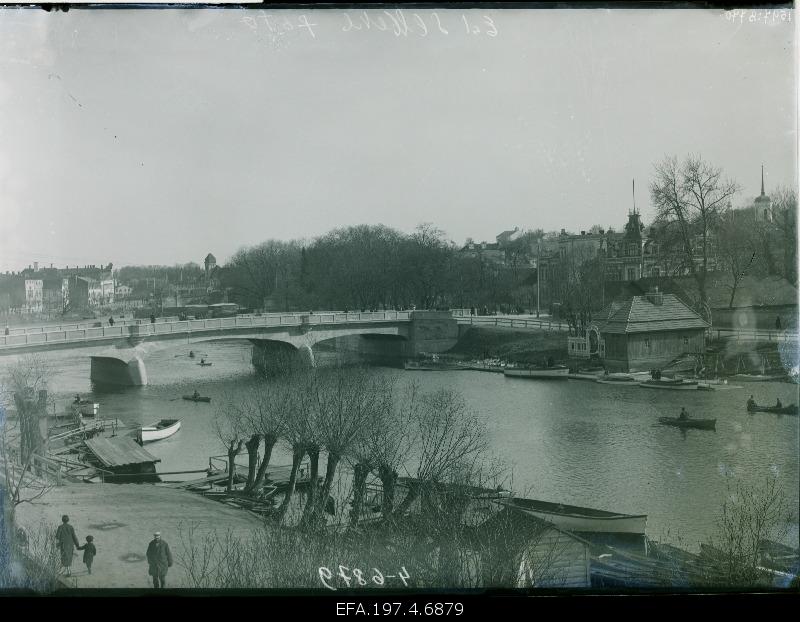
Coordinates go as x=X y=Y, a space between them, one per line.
x=158 y=431
x=541 y=373
x=705 y=387
x=669 y=384
x=700 y=424
x=205 y=364
x=783 y=410
x=580 y=519
x=192 y=398
x=617 y=379
x=584 y=376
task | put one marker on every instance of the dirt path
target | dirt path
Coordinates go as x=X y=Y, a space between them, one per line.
x=122 y=519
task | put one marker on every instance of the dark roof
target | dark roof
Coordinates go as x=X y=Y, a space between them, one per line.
x=120 y=451
x=640 y=315
x=211 y=257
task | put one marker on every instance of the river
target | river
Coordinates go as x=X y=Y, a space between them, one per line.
x=574 y=442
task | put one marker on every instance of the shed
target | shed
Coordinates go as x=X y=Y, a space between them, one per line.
x=648 y=332
x=124 y=458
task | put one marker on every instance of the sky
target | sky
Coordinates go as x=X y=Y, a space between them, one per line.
x=157 y=136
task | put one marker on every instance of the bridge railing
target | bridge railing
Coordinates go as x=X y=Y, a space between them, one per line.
x=143 y=329
x=506 y=322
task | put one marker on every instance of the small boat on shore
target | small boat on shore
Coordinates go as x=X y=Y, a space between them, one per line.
x=778 y=410
x=670 y=384
x=623 y=379
x=699 y=424
x=192 y=398
x=157 y=431
x=705 y=387
x=580 y=519
x=557 y=372
x=204 y=364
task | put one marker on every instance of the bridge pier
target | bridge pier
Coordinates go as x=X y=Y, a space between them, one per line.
x=275 y=357
x=111 y=370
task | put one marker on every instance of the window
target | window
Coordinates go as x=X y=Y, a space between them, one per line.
x=686 y=341
x=647 y=343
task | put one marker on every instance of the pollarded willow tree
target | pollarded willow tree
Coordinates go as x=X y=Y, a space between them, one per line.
x=690 y=197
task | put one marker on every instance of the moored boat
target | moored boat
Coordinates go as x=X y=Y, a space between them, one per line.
x=542 y=373
x=625 y=379
x=204 y=364
x=157 y=431
x=670 y=384
x=192 y=398
x=699 y=424
x=584 y=376
x=430 y=366
x=580 y=519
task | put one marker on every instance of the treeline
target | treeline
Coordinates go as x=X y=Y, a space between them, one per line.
x=371 y=267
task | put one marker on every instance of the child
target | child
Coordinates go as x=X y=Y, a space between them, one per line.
x=89 y=551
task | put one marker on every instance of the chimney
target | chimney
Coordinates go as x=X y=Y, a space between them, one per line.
x=655 y=297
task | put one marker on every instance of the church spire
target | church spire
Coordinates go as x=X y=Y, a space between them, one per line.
x=762 y=180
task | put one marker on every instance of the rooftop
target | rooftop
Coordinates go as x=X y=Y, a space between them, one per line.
x=641 y=314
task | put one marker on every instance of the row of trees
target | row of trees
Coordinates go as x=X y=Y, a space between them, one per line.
x=375 y=267
x=356 y=418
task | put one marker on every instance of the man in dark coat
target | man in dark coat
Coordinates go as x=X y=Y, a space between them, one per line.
x=160 y=559
x=67 y=541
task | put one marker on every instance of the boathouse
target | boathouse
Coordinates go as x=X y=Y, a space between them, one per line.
x=643 y=333
x=126 y=460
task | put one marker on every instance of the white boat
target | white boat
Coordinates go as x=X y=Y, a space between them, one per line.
x=617 y=379
x=580 y=519
x=543 y=373
x=158 y=431
x=670 y=385
x=583 y=376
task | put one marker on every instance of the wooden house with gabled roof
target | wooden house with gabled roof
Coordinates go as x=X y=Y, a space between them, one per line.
x=643 y=333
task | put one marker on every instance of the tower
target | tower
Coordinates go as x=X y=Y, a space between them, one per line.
x=762 y=206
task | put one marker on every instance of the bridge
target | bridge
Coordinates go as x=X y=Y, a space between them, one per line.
x=410 y=332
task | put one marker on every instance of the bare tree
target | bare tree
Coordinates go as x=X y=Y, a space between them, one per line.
x=750 y=515
x=21 y=439
x=738 y=248
x=450 y=441
x=691 y=196
x=346 y=399
x=232 y=429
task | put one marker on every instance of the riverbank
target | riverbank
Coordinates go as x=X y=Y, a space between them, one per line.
x=517 y=346
x=122 y=518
